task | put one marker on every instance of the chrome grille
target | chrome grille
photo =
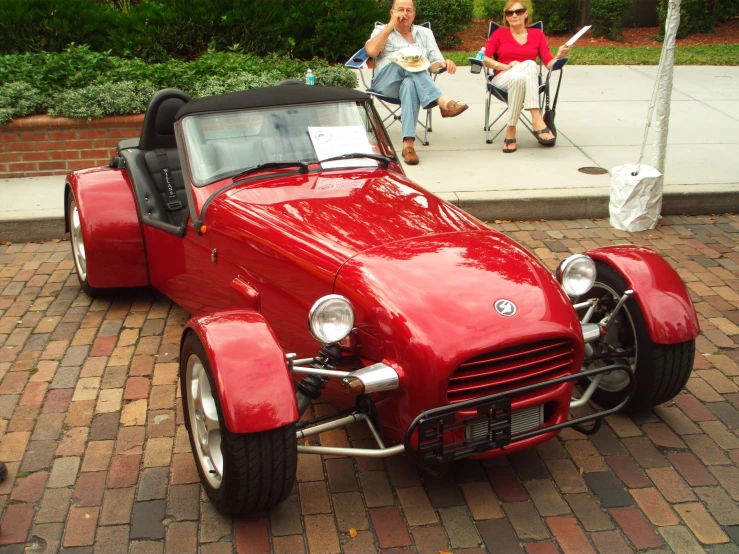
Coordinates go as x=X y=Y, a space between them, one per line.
x=521 y=420
x=510 y=368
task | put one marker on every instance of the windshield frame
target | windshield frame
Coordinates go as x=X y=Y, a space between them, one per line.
x=384 y=143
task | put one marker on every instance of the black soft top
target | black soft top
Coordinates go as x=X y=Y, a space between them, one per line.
x=268 y=97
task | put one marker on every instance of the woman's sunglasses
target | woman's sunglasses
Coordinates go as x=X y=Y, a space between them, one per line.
x=519 y=11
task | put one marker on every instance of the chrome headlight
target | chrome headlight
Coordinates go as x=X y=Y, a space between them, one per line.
x=576 y=274
x=331 y=319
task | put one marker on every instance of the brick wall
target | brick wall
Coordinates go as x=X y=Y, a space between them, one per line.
x=43 y=145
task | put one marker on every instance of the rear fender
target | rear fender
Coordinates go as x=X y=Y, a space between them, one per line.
x=249 y=368
x=659 y=291
x=110 y=227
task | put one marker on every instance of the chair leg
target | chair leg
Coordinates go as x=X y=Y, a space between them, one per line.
x=487 y=129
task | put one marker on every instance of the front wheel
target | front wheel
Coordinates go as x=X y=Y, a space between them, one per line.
x=660 y=370
x=241 y=473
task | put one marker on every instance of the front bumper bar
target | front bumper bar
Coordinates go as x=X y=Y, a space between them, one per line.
x=433 y=425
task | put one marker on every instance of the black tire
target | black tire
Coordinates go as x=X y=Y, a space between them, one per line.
x=80 y=265
x=661 y=370
x=259 y=469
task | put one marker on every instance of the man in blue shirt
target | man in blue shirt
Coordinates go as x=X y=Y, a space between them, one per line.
x=414 y=88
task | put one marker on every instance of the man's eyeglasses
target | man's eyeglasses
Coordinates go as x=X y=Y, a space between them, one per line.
x=519 y=11
x=404 y=10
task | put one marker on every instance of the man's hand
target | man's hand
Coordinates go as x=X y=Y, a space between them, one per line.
x=395 y=19
x=451 y=67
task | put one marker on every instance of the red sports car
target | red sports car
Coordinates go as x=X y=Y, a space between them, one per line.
x=281 y=219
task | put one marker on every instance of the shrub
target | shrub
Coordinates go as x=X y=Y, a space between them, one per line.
x=447 y=17
x=158 y=30
x=558 y=16
x=695 y=16
x=18 y=100
x=82 y=83
x=607 y=17
x=493 y=9
x=103 y=99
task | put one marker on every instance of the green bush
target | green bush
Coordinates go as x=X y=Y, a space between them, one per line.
x=726 y=10
x=18 y=100
x=696 y=16
x=103 y=99
x=492 y=9
x=448 y=18
x=607 y=17
x=82 y=83
x=158 y=30
x=558 y=16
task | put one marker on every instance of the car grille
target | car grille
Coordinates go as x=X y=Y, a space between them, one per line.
x=510 y=368
x=521 y=421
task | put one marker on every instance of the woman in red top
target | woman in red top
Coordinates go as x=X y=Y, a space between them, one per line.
x=516 y=48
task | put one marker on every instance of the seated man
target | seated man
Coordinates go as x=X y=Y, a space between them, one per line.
x=415 y=89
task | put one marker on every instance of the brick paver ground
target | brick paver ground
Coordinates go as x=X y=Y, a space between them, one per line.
x=92 y=432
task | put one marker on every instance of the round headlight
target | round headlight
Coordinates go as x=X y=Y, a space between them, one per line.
x=576 y=274
x=331 y=319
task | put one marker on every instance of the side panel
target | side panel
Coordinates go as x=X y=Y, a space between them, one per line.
x=658 y=289
x=110 y=228
x=249 y=368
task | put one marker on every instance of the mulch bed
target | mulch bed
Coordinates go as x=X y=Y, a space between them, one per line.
x=475 y=36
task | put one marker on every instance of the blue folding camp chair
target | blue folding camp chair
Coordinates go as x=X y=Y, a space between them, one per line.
x=544 y=90
x=392 y=104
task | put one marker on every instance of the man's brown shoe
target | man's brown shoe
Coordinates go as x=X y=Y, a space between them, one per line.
x=410 y=156
x=453 y=109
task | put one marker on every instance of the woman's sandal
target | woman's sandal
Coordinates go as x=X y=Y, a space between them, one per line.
x=545 y=142
x=508 y=150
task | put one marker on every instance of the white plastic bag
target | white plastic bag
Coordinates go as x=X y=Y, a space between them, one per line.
x=636 y=200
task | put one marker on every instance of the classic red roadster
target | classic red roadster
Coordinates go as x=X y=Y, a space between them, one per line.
x=281 y=219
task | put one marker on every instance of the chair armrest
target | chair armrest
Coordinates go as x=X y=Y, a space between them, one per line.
x=358 y=59
x=439 y=71
x=476 y=66
x=559 y=64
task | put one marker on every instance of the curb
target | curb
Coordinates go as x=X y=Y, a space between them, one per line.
x=526 y=205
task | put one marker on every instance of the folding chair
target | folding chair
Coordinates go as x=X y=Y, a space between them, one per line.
x=544 y=90
x=392 y=104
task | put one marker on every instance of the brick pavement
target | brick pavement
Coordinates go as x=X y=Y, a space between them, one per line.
x=92 y=432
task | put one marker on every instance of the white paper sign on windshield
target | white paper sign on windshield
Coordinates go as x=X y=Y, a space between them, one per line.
x=335 y=141
x=577 y=35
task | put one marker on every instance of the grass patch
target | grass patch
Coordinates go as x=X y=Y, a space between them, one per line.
x=719 y=54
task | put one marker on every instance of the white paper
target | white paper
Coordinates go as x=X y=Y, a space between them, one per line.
x=580 y=33
x=335 y=141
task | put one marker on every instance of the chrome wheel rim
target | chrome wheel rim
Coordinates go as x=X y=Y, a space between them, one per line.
x=78 y=243
x=615 y=381
x=204 y=424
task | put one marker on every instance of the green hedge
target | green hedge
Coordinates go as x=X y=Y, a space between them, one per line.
x=83 y=83
x=699 y=16
x=608 y=16
x=448 y=18
x=558 y=16
x=157 y=30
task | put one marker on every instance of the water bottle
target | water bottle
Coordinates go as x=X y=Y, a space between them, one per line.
x=477 y=68
x=309 y=78
x=481 y=54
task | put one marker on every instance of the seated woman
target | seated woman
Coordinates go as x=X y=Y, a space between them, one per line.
x=516 y=48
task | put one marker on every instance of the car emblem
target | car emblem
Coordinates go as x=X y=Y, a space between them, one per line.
x=505 y=307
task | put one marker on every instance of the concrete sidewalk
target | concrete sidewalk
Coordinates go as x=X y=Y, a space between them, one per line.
x=601 y=117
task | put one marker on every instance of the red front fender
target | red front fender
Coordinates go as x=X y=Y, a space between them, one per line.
x=658 y=289
x=249 y=368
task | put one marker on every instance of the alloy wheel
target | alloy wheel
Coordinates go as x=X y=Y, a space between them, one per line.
x=204 y=423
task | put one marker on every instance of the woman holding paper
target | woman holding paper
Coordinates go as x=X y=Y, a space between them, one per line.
x=516 y=49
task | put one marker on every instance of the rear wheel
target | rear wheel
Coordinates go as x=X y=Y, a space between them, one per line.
x=79 y=251
x=661 y=370
x=240 y=473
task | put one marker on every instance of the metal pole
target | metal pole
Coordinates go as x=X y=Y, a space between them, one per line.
x=664 y=87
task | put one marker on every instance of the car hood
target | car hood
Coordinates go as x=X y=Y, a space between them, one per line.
x=431 y=301
x=323 y=219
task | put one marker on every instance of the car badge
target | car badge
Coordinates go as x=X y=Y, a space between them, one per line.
x=505 y=307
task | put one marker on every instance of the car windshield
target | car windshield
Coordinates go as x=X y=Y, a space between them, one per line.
x=223 y=145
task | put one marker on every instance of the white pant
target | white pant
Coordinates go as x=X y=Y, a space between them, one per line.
x=522 y=83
